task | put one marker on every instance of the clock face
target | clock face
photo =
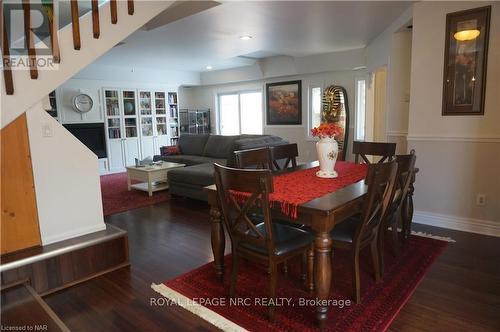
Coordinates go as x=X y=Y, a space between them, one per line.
x=83 y=103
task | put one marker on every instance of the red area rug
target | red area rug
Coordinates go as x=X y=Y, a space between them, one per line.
x=116 y=198
x=379 y=305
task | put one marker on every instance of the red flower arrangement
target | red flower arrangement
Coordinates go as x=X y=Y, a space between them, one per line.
x=329 y=130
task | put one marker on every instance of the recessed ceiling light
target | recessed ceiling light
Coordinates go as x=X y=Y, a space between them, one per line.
x=247 y=37
x=209 y=67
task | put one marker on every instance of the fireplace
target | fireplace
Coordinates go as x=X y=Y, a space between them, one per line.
x=90 y=134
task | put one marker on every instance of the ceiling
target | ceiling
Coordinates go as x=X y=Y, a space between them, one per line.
x=292 y=28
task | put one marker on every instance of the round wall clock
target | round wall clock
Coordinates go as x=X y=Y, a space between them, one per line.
x=83 y=103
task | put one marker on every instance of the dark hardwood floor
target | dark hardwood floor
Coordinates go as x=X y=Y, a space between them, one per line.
x=461 y=292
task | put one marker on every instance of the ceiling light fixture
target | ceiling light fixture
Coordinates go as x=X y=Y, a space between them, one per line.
x=209 y=67
x=246 y=37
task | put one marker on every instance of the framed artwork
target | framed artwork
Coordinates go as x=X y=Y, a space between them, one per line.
x=465 y=60
x=284 y=103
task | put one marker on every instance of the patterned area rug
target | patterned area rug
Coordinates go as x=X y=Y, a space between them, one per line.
x=201 y=293
x=116 y=198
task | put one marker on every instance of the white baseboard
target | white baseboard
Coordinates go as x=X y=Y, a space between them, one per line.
x=74 y=233
x=486 y=227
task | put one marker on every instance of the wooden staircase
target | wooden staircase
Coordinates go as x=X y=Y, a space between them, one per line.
x=49 y=12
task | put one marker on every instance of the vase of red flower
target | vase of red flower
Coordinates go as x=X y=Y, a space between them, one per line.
x=327 y=148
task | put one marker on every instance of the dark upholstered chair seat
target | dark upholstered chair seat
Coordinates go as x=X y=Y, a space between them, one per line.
x=344 y=232
x=286 y=239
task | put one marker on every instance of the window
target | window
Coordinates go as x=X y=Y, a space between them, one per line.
x=360 y=109
x=314 y=107
x=240 y=113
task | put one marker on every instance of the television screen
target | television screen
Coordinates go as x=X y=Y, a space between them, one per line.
x=90 y=134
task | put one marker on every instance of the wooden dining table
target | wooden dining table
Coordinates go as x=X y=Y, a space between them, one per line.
x=321 y=215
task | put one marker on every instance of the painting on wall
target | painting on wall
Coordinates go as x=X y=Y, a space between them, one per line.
x=284 y=103
x=465 y=60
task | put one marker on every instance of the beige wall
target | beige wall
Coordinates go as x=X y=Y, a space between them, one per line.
x=459 y=156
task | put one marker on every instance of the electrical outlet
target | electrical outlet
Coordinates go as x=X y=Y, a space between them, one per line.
x=481 y=199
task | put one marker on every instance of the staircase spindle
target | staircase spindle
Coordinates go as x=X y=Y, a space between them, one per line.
x=95 y=19
x=75 y=20
x=29 y=39
x=50 y=10
x=114 y=11
x=7 y=72
x=130 y=4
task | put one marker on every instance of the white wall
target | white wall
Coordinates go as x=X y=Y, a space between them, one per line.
x=206 y=97
x=458 y=156
x=92 y=82
x=66 y=177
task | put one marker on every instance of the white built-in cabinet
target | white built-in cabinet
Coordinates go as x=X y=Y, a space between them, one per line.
x=136 y=125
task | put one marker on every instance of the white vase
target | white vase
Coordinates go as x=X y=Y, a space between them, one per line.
x=328 y=150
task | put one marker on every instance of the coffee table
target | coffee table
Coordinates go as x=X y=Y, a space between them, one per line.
x=154 y=178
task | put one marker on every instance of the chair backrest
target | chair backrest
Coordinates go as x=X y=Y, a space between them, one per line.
x=236 y=211
x=381 y=179
x=406 y=168
x=384 y=150
x=253 y=158
x=286 y=152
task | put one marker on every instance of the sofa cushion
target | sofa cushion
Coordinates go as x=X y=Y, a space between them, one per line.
x=193 y=144
x=201 y=175
x=219 y=146
x=192 y=160
x=246 y=143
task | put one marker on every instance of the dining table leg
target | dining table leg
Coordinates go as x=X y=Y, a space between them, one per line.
x=322 y=274
x=217 y=237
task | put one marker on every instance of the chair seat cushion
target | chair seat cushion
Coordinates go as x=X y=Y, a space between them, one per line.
x=286 y=239
x=345 y=231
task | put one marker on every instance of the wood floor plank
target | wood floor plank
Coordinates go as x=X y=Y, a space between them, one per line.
x=459 y=293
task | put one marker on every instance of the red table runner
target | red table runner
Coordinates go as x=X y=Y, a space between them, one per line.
x=296 y=188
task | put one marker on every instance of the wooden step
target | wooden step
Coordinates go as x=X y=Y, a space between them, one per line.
x=63 y=264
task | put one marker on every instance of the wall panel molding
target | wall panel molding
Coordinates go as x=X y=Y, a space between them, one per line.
x=423 y=138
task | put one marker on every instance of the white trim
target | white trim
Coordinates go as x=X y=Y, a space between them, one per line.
x=486 y=227
x=395 y=133
x=73 y=233
x=203 y=312
x=454 y=138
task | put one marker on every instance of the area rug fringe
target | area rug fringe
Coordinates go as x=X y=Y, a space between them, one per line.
x=435 y=237
x=197 y=309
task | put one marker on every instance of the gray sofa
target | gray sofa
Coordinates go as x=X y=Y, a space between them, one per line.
x=200 y=152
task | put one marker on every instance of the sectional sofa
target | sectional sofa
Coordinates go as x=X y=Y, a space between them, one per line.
x=199 y=153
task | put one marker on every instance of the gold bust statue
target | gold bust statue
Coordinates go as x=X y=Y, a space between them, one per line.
x=333 y=104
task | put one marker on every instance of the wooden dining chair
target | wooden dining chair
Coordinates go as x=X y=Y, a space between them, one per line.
x=361 y=230
x=253 y=158
x=284 y=156
x=267 y=243
x=396 y=214
x=363 y=149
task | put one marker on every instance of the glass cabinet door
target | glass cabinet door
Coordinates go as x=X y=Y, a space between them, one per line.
x=112 y=104
x=129 y=107
x=145 y=103
x=130 y=127
x=160 y=105
x=161 y=125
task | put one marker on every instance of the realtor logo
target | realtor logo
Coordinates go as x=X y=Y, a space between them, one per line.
x=37 y=17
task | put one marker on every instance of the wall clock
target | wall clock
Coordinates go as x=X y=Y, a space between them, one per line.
x=82 y=103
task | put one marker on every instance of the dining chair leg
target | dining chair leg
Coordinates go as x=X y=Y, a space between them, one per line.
x=285 y=267
x=381 y=243
x=375 y=259
x=303 y=266
x=395 y=239
x=310 y=269
x=234 y=275
x=272 y=289
x=356 y=289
